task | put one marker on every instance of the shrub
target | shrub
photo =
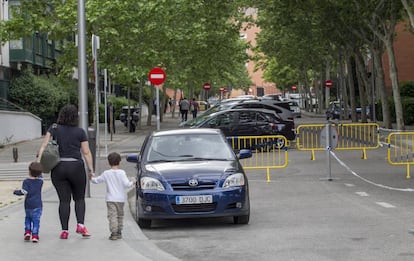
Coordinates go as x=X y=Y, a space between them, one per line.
x=40 y=95
x=407 y=89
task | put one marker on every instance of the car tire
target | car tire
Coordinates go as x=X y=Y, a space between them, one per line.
x=144 y=223
x=241 y=219
x=280 y=143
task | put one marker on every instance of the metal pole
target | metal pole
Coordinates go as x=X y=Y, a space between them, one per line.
x=82 y=80
x=158 y=106
x=95 y=47
x=328 y=150
x=106 y=114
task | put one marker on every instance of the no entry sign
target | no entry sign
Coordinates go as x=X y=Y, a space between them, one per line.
x=328 y=83
x=207 y=86
x=157 y=76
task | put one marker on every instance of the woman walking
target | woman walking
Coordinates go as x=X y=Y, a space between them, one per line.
x=69 y=177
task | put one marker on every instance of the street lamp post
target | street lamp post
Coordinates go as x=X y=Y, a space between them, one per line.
x=82 y=79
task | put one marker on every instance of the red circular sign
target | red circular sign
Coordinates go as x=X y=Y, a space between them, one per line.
x=294 y=87
x=328 y=83
x=157 y=76
x=221 y=89
x=207 y=86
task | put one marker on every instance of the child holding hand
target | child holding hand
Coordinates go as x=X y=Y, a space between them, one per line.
x=116 y=184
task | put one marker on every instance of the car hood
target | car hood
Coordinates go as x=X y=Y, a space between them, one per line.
x=181 y=171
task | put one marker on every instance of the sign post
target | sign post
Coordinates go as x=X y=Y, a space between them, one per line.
x=206 y=87
x=329 y=139
x=157 y=76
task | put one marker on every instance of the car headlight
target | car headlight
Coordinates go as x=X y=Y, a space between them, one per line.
x=151 y=183
x=234 y=180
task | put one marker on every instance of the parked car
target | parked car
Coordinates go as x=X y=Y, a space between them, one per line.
x=335 y=110
x=295 y=109
x=134 y=118
x=203 y=105
x=284 y=113
x=190 y=173
x=245 y=122
x=277 y=97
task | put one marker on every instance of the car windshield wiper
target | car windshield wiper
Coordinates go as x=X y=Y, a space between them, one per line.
x=190 y=158
x=159 y=161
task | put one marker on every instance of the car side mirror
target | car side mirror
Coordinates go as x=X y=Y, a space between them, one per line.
x=133 y=158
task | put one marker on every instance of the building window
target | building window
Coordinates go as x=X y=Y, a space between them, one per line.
x=16 y=44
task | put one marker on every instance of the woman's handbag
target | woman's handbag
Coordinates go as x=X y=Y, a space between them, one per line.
x=50 y=156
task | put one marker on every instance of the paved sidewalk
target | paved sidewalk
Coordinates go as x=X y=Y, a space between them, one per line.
x=134 y=245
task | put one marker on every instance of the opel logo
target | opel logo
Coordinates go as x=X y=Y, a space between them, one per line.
x=193 y=182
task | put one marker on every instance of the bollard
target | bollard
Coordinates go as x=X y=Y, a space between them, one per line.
x=15 y=154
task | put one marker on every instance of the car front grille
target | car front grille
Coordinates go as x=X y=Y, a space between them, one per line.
x=185 y=186
x=194 y=207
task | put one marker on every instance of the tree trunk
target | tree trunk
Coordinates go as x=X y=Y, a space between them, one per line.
x=399 y=115
x=363 y=83
x=380 y=87
x=351 y=84
x=343 y=99
x=407 y=8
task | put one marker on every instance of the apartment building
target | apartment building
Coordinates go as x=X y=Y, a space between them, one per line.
x=36 y=52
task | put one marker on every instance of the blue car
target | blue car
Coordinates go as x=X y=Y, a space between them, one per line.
x=190 y=173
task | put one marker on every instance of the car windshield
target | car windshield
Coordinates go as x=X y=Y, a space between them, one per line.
x=188 y=147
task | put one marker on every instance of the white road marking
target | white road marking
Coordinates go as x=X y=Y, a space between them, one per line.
x=349 y=185
x=362 y=194
x=366 y=180
x=385 y=205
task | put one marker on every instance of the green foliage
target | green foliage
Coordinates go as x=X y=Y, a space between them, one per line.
x=194 y=40
x=407 y=106
x=408 y=110
x=41 y=95
x=407 y=89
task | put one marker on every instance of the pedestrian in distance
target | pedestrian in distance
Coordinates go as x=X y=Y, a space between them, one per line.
x=110 y=117
x=194 y=107
x=184 y=107
x=170 y=104
x=32 y=190
x=69 y=176
x=117 y=183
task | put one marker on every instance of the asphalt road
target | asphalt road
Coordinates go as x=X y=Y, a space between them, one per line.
x=360 y=210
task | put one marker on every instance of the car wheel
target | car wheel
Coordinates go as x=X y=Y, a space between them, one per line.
x=144 y=223
x=241 y=219
x=280 y=143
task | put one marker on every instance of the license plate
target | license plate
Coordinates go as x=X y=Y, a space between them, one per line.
x=200 y=199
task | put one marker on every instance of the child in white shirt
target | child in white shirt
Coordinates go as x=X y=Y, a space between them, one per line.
x=116 y=184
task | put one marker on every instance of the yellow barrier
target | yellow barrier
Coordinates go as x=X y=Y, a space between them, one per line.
x=351 y=136
x=400 y=149
x=269 y=152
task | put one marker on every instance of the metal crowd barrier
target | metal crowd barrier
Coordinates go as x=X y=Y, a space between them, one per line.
x=400 y=149
x=350 y=136
x=269 y=152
